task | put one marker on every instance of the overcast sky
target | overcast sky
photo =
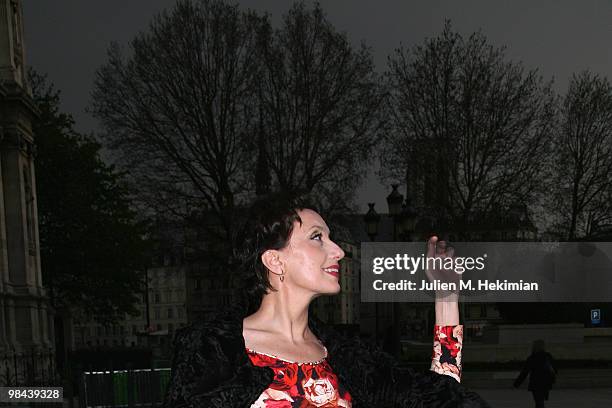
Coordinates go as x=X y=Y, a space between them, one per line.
x=67 y=39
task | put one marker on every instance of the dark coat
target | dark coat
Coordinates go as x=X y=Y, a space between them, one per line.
x=541 y=369
x=211 y=368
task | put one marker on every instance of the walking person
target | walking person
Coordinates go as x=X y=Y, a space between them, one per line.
x=541 y=369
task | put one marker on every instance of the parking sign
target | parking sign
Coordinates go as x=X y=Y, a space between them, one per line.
x=595 y=316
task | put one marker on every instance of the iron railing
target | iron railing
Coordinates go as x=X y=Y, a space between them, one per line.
x=34 y=368
x=123 y=388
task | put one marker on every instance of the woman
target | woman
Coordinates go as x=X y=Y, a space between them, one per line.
x=542 y=373
x=280 y=356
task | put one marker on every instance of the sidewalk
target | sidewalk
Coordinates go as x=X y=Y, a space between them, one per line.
x=573 y=378
x=563 y=398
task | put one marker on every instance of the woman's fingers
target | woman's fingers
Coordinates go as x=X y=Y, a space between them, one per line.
x=450 y=251
x=431 y=246
x=441 y=248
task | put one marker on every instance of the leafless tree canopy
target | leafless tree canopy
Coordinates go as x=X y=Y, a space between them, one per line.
x=211 y=102
x=319 y=106
x=470 y=129
x=584 y=150
x=178 y=109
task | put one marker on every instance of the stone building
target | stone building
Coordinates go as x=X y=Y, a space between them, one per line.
x=160 y=312
x=157 y=319
x=26 y=322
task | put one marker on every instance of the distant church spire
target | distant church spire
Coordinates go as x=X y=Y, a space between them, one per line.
x=262 y=172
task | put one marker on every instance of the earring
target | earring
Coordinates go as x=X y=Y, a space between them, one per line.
x=282 y=275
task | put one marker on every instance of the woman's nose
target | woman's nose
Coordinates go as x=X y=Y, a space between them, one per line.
x=338 y=252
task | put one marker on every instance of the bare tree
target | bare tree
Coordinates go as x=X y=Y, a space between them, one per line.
x=584 y=151
x=319 y=102
x=469 y=130
x=211 y=106
x=178 y=108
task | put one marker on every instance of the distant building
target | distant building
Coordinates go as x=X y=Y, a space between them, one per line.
x=209 y=283
x=416 y=320
x=160 y=312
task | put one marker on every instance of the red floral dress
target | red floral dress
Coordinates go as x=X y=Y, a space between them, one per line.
x=448 y=343
x=314 y=384
x=311 y=384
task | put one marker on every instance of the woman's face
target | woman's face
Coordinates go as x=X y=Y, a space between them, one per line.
x=311 y=258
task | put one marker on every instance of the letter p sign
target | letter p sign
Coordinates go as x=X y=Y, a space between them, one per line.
x=595 y=316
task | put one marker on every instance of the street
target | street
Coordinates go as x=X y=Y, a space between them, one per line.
x=563 y=398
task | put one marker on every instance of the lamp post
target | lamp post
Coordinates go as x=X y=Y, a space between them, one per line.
x=408 y=218
x=394 y=202
x=371 y=219
x=404 y=220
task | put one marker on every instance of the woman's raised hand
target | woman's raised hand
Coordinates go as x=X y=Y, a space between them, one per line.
x=441 y=271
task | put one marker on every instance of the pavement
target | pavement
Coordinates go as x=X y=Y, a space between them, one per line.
x=560 y=398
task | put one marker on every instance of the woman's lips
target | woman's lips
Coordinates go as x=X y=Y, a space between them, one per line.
x=333 y=270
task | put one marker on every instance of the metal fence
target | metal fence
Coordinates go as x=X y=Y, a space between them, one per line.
x=123 y=388
x=34 y=368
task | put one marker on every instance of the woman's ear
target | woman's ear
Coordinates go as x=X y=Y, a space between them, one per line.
x=271 y=260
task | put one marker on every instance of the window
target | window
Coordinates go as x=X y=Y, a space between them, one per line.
x=99 y=331
x=170 y=327
x=169 y=296
x=157 y=313
x=134 y=329
x=181 y=312
x=157 y=298
x=159 y=326
x=170 y=313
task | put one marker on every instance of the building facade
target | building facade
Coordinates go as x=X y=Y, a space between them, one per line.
x=161 y=309
x=26 y=320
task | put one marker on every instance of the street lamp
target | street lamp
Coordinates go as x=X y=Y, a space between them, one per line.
x=371 y=219
x=408 y=218
x=394 y=200
x=404 y=221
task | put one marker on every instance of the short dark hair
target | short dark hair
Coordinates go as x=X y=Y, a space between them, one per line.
x=268 y=225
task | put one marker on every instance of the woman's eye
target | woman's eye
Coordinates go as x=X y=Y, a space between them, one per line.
x=318 y=236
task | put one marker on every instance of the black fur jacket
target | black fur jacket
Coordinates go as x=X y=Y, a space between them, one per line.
x=210 y=368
